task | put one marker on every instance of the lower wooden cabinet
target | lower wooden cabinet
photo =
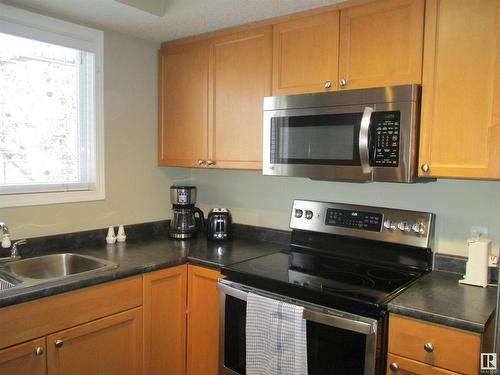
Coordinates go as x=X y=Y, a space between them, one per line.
x=165 y=294
x=96 y=330
x=111 y=346
x=418 y=347
x=203 y=321
x=404 y=366
x=26 y=358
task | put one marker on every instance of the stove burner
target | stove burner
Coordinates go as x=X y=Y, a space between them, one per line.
x=387 y=274
x=351 y=280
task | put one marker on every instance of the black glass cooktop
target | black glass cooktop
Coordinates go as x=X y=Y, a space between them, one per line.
x=346 y=284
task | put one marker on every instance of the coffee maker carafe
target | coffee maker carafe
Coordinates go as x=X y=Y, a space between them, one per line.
x=183 y=224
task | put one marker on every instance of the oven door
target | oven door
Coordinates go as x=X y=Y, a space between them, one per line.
x=337 y=342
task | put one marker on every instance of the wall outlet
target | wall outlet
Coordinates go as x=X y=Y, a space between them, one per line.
x=476 y=231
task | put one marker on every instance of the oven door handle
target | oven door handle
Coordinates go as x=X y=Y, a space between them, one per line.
x=364 y=147
x=330 y=319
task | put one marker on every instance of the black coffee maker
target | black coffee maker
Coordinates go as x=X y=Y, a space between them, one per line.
x=219 y=224
x=184 y=223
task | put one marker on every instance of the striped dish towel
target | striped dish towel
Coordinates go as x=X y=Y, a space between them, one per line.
x=275 y=337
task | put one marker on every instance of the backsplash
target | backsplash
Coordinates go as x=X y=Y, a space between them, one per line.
x=266 y=201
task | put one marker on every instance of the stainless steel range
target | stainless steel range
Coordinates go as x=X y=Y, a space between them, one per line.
x=343 y=265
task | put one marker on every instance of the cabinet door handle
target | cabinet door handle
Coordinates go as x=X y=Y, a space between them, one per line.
x=394 y=367
x=59 y=343
x=343 y=82
x=201 y=161
x=210 y=162
x=328 y=84
x=428 y=347
x=38 y=351
x=425 y=168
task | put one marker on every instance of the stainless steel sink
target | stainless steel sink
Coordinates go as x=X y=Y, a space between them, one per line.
x=56 y=266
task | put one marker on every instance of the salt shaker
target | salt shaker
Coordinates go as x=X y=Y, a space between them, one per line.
x=111 y=238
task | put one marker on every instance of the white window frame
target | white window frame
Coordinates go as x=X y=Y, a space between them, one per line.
x=50 y=30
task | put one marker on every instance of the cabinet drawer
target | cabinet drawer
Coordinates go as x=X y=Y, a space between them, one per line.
x=405 y=366
x=40 y=317
x=448 y=348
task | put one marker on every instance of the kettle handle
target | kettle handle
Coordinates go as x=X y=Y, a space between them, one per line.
x=201 y=216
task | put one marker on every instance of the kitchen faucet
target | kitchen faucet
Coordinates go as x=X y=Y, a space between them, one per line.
x=14 y=251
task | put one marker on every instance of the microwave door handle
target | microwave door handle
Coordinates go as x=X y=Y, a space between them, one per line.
x=364 y=147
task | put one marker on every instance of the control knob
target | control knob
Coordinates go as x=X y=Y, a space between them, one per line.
x=298 y=213
x=389 y=224
x=418 y=228
x=404 y=226
x=309 y=215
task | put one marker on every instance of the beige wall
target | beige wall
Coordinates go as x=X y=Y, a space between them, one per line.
x=262 y=200
x=136 y=189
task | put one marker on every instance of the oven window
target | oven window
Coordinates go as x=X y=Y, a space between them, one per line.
x=334 y=351
x=234 y=334
x=330 y=350
x=320 y=139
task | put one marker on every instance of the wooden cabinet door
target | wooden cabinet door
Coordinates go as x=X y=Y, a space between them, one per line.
x=460 y=127
x=164 y=313
x=381 y=43
x=405 y=366
x=182 y=105
x=203 y=321
x=108 y=346
x=24 y=359
x=305 y=54
x=239 y=78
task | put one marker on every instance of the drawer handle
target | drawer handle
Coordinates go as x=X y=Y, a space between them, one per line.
x=201 y=161
x=210 y=162
x=328 y=84
x=38 y=351
x=59 y=343
x=428 y=347
x=394 y=367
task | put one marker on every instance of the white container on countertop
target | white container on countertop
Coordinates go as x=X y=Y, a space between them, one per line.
x=476 y=270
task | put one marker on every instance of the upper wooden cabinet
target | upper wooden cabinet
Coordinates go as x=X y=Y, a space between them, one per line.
x=460 y=127
x=381 y=44
x=182 y=105
x=370 y=45
x=211 y=101
x=239 y=78
x=305 y=54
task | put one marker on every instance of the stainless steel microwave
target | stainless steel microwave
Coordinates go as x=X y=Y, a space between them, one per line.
x=363 y=135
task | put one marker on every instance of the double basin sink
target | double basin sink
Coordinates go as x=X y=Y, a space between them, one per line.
x=47 y=268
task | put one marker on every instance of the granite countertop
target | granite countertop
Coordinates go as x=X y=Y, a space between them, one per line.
x=140 y=257
x=439 y=298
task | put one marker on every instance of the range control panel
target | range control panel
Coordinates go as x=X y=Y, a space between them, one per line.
x=378 y=223
x=353 y=219
x=386 y=138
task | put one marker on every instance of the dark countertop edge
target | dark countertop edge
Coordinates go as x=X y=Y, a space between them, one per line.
x=439 y=319
x=72 y=284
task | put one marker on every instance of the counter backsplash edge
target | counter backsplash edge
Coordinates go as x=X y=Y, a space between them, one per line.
x=159 y=230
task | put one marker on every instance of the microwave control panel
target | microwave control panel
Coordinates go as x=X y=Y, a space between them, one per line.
x=386 y=134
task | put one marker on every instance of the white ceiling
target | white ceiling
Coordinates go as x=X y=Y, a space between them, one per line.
x=182 y=18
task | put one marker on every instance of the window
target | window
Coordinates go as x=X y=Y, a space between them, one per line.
x=51 y=131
